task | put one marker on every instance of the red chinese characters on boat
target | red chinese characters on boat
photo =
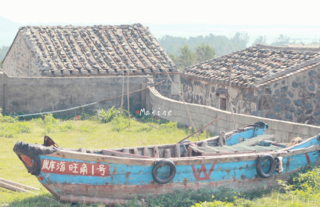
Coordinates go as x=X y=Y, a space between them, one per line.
x=74 y=168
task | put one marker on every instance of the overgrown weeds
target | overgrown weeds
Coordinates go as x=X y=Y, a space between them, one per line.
x=10 y=126
x=106 y=116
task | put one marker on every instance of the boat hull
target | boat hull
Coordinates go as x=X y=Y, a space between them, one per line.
x=125 y=181
x=92 y=177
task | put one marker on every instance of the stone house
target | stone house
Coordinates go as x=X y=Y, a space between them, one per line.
x=267 y=81
x=82 y=52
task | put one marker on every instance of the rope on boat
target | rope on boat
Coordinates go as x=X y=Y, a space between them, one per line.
x=128 y=99
x=85 y=105
x=200 y=129
x=122 y=91
x=229 y=93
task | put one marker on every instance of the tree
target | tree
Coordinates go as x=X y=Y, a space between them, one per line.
x=260 y=40
x=3 y=52
x=240 y=40
x=205 y=52
x=281 y=40
x=186 y=57
x=174 y=58
x=222 y=44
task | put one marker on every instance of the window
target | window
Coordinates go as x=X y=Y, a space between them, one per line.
x=223 y=104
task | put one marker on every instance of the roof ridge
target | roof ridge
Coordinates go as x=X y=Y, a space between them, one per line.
x=290 y=48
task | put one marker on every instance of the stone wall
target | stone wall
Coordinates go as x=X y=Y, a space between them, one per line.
x=202 y=115
x=19 y=60
x=37 y=94
x=166 y=88
x=210 y=94
x=294 y=98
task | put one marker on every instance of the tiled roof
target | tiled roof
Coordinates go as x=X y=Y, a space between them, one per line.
x=253 y=66
x=96 y=50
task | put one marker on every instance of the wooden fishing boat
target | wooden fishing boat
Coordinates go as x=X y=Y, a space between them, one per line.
x=250 y=160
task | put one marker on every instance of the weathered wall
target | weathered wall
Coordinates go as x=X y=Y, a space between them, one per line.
x=292 y=98
x=31 y=95
x=202 y=115
x=205 y=93
x=166 y=88
x=19 y=60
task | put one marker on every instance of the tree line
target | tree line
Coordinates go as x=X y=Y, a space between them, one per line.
x=3 y=52
x=222 y=44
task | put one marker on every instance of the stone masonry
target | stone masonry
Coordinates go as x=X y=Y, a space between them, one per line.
x=273 y=82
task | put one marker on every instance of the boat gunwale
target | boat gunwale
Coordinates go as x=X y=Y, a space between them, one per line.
x=181 y=160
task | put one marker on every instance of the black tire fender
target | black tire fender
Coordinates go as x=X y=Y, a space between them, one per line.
x=259 y=167
x=161 y=164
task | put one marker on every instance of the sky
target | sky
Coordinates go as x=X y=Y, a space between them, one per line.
x=236 y=12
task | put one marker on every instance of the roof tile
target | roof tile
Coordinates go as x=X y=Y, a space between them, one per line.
x=96 y=50
x=255 y=65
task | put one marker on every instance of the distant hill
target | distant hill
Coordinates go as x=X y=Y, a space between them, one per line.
x=6 y=25
x=8 y=30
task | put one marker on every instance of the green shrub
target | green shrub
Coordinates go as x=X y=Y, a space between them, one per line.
x=169 y=125
x=107 y=116
x=23 y=127
x=38 y=121
x=6 y=131
x=120 y=123
x=8 y=119
x=9 y=130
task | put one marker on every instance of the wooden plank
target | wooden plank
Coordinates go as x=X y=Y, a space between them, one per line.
x=122 y=154
x=18 y=184
x=14 y=188
x=234 y=150
x=190 y=152
x=177 y=151
x=167 y=153
x=256 y=140
x=246 y=148
x=146 y=151
x=155 y=152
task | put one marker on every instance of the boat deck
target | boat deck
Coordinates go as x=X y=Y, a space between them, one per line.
x=207 y=150
x=256 y=140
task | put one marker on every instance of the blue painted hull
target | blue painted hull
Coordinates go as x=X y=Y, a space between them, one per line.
x=73 y=175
